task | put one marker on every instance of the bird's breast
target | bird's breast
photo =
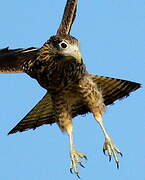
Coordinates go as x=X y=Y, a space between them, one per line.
x=55 y=75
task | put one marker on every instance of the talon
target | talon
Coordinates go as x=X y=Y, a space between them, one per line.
x=78 y=176
x=117 y=165
x=81 y=165
x=71 y=170
x=75 y=161
x=109 y=158
x=120 y=154
x=85 y=157
x=111 y=150
x=104 y=151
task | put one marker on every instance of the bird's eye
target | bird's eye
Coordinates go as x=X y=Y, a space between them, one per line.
x=63 y=45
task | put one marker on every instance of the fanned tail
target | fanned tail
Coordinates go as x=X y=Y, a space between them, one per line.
x=114 y=89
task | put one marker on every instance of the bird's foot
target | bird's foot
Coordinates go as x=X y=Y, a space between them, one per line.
x=76 y=160
x=111 y=149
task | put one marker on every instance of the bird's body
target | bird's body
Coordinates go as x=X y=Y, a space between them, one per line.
x=60 y=74
x=59 y=68
x=65 y=77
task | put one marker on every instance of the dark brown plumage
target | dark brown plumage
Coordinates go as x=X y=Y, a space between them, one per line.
x=43 y=113
x=11 y=61
x=58 y=67
x=68 y=17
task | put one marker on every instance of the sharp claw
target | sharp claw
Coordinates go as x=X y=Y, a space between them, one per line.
x=81 y=165
x=112 y=151
x=104 y=151
x=85 y=157
x=120 y=154
x=78 y=176
x=117 y=165
x=71 y=170
x=109 y=158
x=75 y=161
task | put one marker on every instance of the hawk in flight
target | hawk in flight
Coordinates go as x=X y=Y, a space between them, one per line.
x=71 y=90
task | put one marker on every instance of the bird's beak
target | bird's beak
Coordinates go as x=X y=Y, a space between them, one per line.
x=73 y=53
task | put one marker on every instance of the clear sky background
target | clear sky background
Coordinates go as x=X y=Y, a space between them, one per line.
x=112 y=36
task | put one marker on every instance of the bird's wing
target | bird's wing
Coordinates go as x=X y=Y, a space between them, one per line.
x=68 y=17
x=11 y=61
x=42 y=113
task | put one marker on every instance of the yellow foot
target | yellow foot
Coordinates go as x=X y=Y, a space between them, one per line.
x=76 y=160
x=111 y=150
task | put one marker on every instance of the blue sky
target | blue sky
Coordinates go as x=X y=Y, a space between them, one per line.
x=112 y=43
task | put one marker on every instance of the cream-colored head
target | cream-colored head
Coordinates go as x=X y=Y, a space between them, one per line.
x=62 y=48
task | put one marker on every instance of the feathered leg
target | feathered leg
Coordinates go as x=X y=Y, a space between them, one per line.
x=109 y=146
x=92 y=97
x=63 y=110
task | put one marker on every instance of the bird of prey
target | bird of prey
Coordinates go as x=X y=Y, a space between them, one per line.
x=71 y=90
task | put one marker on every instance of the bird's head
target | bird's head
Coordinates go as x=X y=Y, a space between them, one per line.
x=61 y=48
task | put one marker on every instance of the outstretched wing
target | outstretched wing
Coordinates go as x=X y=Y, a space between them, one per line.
x=11 y=61
x=68 y=17
x=43 y=113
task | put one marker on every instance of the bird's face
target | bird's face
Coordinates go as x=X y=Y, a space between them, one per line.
x=63 y=48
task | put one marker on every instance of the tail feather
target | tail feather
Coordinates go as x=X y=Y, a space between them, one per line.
x=114 y=89
x=43 y=113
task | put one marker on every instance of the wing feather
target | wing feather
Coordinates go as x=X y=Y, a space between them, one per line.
x=11 y=61
x=68 y=17
x=114 y=89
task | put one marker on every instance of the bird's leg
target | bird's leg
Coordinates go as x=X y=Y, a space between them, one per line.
x=75 y=156
x=109 y=146
x=64 y=121
x=93 y=98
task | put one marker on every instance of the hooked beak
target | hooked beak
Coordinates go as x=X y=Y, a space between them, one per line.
x=72 y=53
